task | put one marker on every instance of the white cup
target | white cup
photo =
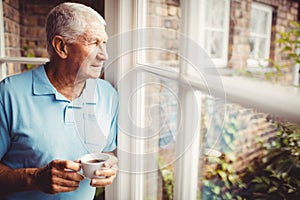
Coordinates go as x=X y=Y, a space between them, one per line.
x=92 y=162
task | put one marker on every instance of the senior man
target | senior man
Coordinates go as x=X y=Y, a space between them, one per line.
x=56 y=113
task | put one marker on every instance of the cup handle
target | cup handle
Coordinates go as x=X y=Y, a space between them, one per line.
x=79 y=172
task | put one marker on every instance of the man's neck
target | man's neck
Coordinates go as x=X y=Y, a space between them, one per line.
x=64 y=82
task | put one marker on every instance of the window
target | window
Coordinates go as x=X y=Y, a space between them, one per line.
x=159 y=116
x=147 y=104
x=215 y=29
x=260 y=34
x=2 y=65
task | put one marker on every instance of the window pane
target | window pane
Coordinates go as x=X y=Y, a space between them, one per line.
x=257 y=47
x=160 y=97
x=262 y=48
x=160 y=48
x=259 y=20
x=215 y=28
x=214 y=43
x=235 y=141
x=260 y=34
x=216 y=12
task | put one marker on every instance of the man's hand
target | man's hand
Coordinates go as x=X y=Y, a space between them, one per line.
x=58 y=176
x=109 y=171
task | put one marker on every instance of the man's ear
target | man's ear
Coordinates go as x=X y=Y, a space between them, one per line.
x=60 y=46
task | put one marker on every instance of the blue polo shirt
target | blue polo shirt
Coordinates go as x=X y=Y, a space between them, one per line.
x=38 y=125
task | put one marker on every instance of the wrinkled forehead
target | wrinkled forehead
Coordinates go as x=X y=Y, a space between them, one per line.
x=96 y=30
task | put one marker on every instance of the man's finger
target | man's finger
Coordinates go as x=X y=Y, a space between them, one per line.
x=65 y=182
x=58 y=188
x=66 y=170
x=69 y=175
x=111 y=161
x=66 y=164
x=105 y=172
x=102 y=182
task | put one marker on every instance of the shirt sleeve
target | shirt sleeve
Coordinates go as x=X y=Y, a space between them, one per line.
x=4 y=131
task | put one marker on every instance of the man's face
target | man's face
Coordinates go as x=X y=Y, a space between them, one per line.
x=88 y=53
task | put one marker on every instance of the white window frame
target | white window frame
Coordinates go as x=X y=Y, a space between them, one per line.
x=2 y=45
x=256 y=62
x=123 y=17
x=219 y=62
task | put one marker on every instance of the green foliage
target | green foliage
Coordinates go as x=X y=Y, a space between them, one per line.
x=221 y=181
x=229 y=129
x=274 y=73
x=290 y=41
x=28 y=53
x=277 y=72
x=277 y=175
x=168 y=179
x=220 y=128
x=168 y=182
x=290 y=48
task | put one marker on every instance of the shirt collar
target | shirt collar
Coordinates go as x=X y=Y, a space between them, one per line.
x=89 y=92
x=88 y=96
x=41 y=83
x=42 y=86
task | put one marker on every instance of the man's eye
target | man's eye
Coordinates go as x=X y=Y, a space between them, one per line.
x=98 y=42
x=94 y=42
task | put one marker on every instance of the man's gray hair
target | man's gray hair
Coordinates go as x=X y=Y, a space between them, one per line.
x=70 y=21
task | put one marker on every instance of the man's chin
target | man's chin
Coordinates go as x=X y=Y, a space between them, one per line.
x=94 y=76
x=95 y=72
x=92 y=73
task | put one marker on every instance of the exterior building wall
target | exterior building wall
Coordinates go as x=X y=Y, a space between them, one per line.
x=283 y=12
x=240 y=13
x=33 y=35
x=164 y=17
x=247 y=129
x=11 y=14
x=33 y=18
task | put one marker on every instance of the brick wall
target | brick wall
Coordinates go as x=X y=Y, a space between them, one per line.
x=283 y=11
x=33 y=17
x=11 y=12
x=164 y=15
x=33 y=36
x=239 y=49
x=238 y=132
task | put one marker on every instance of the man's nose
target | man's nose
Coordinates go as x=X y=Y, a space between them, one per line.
x=102 y=53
